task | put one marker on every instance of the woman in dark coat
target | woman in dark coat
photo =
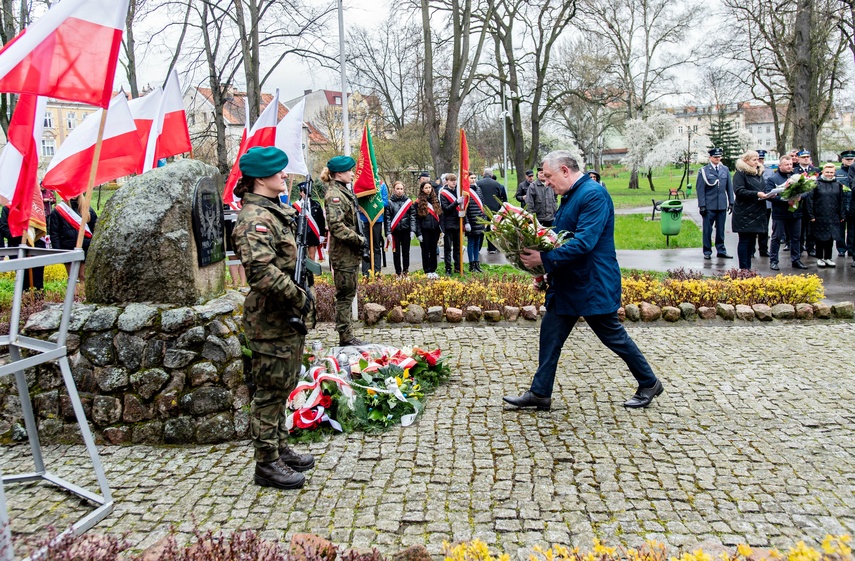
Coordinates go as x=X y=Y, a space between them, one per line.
x=401 y=218
x=474 y=229
x=427 y=227
x=749 y=210
x=825 y=212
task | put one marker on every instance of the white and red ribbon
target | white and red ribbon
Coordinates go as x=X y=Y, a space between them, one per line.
x=312 y=224
x=70 y=215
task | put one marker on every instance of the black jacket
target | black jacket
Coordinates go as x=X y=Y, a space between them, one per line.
x=474 y=214
x=408 y=222
x=749 y=212
x=5 y=232
x=825 y=205
x=450 y=218
x=492 y=189
x=63 y=235
x=780 y=207
x=426 y=222
x=522 y=190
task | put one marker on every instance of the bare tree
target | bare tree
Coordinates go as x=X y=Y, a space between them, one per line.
x=450 y=68
x=389 y=65
x=524 y=34
x=14 y=16
x=787 y=63
x=646 y=40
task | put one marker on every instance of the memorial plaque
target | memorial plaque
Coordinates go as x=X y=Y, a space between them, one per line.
x=208 y=222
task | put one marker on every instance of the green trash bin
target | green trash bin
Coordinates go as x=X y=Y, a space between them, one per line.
x=672 y=217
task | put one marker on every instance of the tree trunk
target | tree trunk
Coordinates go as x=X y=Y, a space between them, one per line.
x=633 y=179
x=429 y=106
x=248 y=37
x=650 y=178
x=130 y=44
x=218 y=92
x=804 y=131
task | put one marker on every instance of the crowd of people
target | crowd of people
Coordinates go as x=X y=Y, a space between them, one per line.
x=814 y=224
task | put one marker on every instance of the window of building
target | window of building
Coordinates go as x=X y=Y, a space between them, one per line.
x=768 y=128
x=48 y=147
x=695 y=128
x=191 y=118
x=48 y=120
x=768 y=142
x=71 y=119
x=337 y=100
x=680 y=130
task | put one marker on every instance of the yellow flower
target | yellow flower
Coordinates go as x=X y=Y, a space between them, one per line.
x=398 y=381
x=743 y=550
x=371 y=392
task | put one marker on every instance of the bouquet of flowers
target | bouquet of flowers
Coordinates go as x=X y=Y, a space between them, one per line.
x=321 y=397
x=514 y=230
x=797 y=187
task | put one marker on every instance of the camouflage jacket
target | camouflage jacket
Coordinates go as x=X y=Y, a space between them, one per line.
x=264 y=242
x=342 y=221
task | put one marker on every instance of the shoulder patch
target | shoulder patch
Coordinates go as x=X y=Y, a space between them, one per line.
x=260 y=228
x=336 y=200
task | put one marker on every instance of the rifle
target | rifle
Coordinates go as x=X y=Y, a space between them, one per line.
x=304 y=265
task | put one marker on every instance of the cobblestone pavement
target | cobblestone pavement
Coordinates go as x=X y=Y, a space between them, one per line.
x=753 y=441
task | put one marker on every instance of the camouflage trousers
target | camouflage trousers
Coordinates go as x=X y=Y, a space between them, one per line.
x=345 y=291
x=275 y=378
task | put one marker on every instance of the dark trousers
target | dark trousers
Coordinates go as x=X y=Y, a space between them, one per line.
x=554 y=331
x=377 y=230
x=789 y=227
x=808 y=243
x=846 y=237
x=745 y=248
x=401 y=251
x=763 y=239
x=428 y=246
x=452 y=250
x=714 y=218
x=824 y=248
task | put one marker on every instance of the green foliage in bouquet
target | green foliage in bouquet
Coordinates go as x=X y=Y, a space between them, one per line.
x=430 y=370
x=797 y=189
x=378 y=406
x=513 y=230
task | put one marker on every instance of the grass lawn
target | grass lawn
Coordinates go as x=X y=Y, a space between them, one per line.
x=632 y=231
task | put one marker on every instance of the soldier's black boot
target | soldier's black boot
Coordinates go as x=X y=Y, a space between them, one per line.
x=277 y=474
x=297 y=462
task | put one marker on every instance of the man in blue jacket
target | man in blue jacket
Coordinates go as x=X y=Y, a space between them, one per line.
x=715 y=202
x=584 y=280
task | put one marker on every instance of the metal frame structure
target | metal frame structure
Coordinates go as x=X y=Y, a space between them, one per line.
x=40 y=352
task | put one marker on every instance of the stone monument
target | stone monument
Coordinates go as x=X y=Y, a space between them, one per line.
x=145 y=248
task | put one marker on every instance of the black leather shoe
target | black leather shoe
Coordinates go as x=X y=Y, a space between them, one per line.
x=724 y=256
x=352 y=342
x=799 y=265
x=707 y=256
x=643 y=396
x=277 y=474
x=295 y=461
x=764 y=254
x=528 y=399
x=774 y=267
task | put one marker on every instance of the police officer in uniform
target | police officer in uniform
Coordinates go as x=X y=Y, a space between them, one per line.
x=805 y=166
x=346 y=244
x=846 y=236
x=274 y=311
x=715 y=201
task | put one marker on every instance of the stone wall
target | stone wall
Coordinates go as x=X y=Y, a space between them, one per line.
x=146 y=374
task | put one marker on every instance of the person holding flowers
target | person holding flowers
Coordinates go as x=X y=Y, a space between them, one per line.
x=786 y=223
x=274 y=311
x=583 y=280
x=825 y=212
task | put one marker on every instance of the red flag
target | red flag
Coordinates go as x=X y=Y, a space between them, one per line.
x=19 y=162
x=68 y=172
x=263 y=133
x=70 y=53
x=364 y=180
x=173 y=136
x=464 y=187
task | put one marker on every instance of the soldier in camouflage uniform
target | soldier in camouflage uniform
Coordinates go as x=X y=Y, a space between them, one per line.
x=346 y=243
x=274 y=311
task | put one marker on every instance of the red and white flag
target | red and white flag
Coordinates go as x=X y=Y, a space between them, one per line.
x=263 y=133
x=289 y=139
x=144 y=110
x=70 y=53
x=173 y=136
x=68 y=172
x=19 y=161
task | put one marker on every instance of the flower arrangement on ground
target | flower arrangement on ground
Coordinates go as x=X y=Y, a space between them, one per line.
x=370 y=387
x=513 y=230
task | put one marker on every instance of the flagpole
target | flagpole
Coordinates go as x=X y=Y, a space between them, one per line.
x=459 y=194
x=345 y=117
x=83 y=207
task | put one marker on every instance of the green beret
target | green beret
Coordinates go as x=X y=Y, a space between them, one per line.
x=263 y=162
x=341 y=163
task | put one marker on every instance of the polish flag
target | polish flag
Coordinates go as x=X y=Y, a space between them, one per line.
x=289 y=139
x=68 y=172
x=263 y=133
x=19 y=161
x=173 y=136
x=463 y=187
x=144 y=112
x=70 y=53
